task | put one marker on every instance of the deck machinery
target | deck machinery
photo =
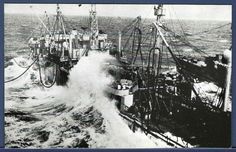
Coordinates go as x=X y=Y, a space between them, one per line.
x=167 y=100
x=62 y=49
x=156 y=99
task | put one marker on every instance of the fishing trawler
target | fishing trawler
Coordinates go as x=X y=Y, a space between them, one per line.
x=162 y=100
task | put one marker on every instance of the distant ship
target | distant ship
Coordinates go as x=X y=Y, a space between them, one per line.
x=62 y=48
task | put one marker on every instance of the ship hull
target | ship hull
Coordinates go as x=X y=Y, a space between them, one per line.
x=195 y=123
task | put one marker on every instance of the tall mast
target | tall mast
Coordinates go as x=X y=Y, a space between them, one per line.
x=93 y=27
x=160 y=37
x=59 y=24
x=47 y=21
x=158 y=12
x=56 y=24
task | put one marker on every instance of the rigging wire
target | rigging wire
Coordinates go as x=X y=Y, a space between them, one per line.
x=20 y=64
x=138 y=50
x=127 y=41
x=21 y=47
x=211 y=29
x=184 y=41
x=40 y=20
x=21 y=73
x=184 y=38
x=205 y=31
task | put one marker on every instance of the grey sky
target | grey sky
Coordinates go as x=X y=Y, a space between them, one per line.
x=195 y=12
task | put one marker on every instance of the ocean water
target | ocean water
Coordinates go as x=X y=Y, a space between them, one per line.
x=17 y=28
x=73 y=116
x=79 y=114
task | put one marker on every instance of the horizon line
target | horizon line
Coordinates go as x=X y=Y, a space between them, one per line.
x=220 y=20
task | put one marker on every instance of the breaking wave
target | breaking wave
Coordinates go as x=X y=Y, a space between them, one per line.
x=72 y=116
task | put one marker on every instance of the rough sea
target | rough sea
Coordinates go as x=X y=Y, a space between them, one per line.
x=79 y=114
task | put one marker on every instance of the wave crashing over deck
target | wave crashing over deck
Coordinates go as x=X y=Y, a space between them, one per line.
x=72 y=116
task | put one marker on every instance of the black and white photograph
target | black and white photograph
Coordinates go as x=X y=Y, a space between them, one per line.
x=117 y=75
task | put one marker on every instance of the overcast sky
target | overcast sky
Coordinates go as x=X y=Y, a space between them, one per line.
x=195 y=12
